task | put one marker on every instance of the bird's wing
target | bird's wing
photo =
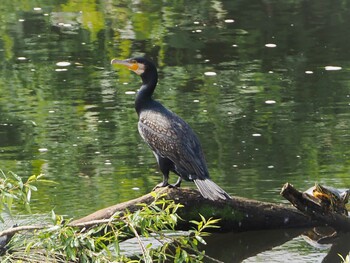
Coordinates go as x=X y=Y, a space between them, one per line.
x=171 y=137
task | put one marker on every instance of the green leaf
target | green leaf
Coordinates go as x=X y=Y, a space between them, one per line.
x=29 y=194
x=203 y=218
x=53 y=216
x=9 y=201
x=194 y=222
x=32 y=187
x=27 y=207
x=200 y=239
x=32 y=178
x=16 y=177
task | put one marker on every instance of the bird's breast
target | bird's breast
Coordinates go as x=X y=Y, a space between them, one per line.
x=157 y=123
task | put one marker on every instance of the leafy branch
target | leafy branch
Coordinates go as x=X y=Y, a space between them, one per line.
x=14 y=189
x=100 y=240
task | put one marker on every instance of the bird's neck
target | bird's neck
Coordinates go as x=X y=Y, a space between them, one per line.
x=144 y=95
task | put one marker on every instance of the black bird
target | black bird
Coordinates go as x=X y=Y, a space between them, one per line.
x=173 y=142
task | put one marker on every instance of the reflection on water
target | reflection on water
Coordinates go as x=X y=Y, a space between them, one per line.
x=283 y=245
x=252 y=246
x=265 y=86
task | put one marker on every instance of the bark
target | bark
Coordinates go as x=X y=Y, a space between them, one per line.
x=237 y=214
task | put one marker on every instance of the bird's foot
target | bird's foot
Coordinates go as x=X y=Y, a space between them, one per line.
x=177 y=184
x=166 y=184
x=162 y=184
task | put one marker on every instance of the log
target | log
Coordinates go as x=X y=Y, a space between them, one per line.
x=237 y=214
x=314 y=210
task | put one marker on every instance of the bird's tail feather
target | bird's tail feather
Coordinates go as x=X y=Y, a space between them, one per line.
x=210 y=190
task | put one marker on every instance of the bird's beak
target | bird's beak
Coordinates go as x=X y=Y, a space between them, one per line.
x=129 y=64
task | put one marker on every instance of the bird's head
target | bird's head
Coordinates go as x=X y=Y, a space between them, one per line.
x=139 y=65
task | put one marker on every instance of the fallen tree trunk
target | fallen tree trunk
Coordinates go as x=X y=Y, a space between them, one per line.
x=237 y=214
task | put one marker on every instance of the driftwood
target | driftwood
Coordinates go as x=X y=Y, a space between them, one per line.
x=313 y=210
x=238 y=214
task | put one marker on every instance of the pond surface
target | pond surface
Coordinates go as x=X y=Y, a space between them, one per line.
x=265 y=85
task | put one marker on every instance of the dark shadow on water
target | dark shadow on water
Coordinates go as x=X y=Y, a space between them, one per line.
x=235 y=247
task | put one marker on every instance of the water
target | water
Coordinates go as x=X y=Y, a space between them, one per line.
x=264 y=84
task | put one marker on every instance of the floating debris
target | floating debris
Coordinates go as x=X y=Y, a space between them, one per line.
x=270 y=45
x=332 y=68
x=42 y=150
x=63 y=64
x=210 y=73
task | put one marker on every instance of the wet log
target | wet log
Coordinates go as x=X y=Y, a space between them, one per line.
x=237 y=214
x=314 y=210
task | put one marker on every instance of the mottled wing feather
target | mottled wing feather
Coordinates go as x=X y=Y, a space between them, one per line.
x=171 y=137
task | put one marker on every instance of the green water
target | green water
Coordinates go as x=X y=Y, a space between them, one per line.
x=265 y=85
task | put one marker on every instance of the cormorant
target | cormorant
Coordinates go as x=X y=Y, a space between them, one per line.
x=173 y=142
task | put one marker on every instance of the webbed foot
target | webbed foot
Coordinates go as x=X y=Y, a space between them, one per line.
x=162 y=184
x=177 y=184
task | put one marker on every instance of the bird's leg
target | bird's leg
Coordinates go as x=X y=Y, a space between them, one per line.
x=177 y=184
x=164 y=165
x=165 y=179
